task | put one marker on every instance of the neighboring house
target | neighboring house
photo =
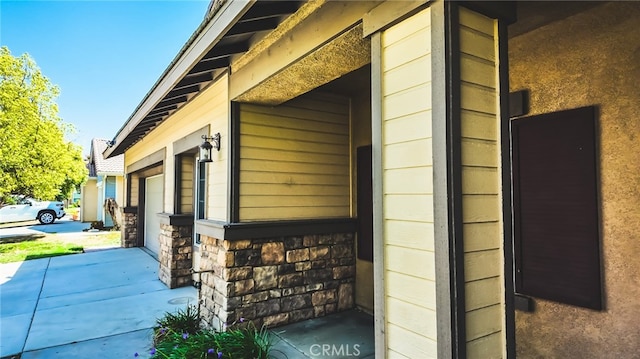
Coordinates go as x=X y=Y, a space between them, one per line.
x=494 y=223
x=106 y=180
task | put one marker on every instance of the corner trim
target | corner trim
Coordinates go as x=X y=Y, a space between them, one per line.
x=447 y=180
x=251 y=230
x=507 y=196
x=177 y=183
x=234 y=204
x=378 y=197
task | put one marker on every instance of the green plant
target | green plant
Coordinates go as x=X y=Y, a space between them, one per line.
x=182 y=321
x=179 y=336
x=239 y=343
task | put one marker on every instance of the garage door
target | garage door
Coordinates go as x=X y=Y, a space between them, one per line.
x=152 y=206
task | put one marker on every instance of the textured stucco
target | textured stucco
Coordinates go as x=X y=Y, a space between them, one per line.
x=592 y=58
x=346 y=53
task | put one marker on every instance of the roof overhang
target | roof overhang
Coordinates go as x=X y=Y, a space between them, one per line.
x=203 y=58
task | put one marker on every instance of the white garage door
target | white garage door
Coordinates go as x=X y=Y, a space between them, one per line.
x=152 y=206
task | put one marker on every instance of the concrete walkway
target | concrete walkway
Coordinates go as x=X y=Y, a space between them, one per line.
x=100 y=304
x=342 y=335
x=104 y=304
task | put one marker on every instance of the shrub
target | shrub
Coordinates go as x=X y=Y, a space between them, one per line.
x=178 y=335
x=239 y=343
x=182 y=321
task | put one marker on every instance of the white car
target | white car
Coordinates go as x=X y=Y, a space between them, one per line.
x=28 y=209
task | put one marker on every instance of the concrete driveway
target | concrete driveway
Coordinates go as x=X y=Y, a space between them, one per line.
x=100 y=304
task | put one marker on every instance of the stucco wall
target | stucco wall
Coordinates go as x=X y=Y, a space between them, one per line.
x=592 y=58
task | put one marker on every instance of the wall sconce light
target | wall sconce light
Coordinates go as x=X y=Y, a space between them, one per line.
x=206 y=147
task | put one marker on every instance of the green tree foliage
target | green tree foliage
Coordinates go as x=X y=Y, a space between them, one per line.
x=35 y=158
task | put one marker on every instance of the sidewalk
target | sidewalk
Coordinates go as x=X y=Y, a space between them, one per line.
x=101 y=304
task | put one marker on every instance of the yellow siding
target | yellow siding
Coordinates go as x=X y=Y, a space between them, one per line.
x=407 y=187
x=120 y=190
x=295 y=159
x=134 y=184
x=481 y=206
x=211 y=107
x=187 y=183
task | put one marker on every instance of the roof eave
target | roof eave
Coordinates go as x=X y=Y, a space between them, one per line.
x=207 y=35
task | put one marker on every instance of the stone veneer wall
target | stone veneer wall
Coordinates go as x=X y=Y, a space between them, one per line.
x=275 y=281
x=129 y=232
x=175 y=255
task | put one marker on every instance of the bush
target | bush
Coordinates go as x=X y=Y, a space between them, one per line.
x=182 y=321
x=178 y=335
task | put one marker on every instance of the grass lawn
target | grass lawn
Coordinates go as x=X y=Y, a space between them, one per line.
x=20 y=248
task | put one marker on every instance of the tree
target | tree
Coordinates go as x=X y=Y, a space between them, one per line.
x=35 y=158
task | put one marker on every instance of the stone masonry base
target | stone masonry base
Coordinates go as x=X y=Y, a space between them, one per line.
x=275 y=281
x=129 y=231
x=175 y=255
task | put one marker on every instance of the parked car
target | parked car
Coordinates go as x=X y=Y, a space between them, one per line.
x=28 y=209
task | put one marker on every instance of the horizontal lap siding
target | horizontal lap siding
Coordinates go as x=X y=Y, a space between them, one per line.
x=481 y=201
x=294 y=159
x=409 y=263
x=210 y=107
x=187 y=190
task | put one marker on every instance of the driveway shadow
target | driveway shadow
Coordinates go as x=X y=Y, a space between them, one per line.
x=30 y=228
x=21 y=238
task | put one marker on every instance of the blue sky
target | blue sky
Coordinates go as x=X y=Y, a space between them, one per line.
x=103 y=55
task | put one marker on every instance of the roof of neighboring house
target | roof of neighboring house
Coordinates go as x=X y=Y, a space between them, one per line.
x=92 y=169
x=97 y=162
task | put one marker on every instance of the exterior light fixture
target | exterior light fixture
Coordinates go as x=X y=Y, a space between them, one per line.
x=206 y=147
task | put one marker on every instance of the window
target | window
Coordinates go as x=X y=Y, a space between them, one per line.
x=556 y=222
x=201 y=190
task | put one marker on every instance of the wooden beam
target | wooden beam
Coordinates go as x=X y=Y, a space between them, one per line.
x=242 y=28
x=195 y=79
x=208 y=66
x=140 y=131
x=173 y=101
x=162 y=111
x=225 y=51
x=166 y=108
x=149 y=120
x=262 y=10
x=181 y=92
